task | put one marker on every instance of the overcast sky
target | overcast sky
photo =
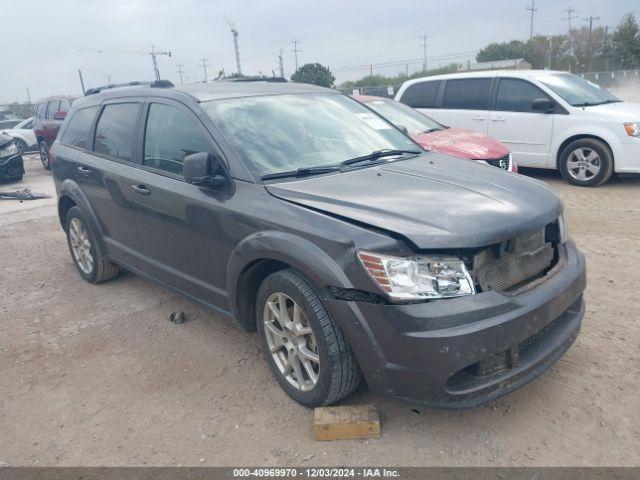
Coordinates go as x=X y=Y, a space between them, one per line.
x=45 y=42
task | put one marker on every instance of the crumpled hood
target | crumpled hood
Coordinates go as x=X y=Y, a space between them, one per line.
x=462 y=143
x=434 y=201
x=4 y=139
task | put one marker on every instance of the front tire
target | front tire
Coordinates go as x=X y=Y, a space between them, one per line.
x=86 y=253
x=305 y=348
x=586 y=162
x=44 y=154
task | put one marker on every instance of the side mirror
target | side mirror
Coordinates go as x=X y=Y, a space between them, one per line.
x=61 y=115
x=203 y=168
x=543 y=105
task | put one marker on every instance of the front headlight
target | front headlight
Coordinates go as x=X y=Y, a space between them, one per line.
x=9 y=149
x=632 y=128
x=415 y=278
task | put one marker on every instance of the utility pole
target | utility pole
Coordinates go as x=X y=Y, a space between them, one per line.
x=570 y=16
x=295 y=50
x=204 y=67
x=532 y=9
x=180 y=65
x=424 y=50
x=606 y=44
x=234 y=32
x=281 y=64
x=590 y=20
x=154 y=54
x=371 y=69
x=81 y=80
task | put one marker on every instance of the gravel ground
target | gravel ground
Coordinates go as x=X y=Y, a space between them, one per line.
x=97 y=375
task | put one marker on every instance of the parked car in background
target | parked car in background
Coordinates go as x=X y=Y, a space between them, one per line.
x=11 y=164
x=9 y=119
x=434 y=136
x=23 y=135
x=547 y=119
x=50 y=113
x=300 y=213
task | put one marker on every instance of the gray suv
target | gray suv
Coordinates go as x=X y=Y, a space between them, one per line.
x=302 y=214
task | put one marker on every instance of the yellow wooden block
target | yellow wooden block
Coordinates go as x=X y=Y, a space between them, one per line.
x=347 y=422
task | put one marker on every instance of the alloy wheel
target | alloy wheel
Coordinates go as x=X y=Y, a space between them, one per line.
x=81 y=245
x=44 y=155
x=291 y=341
x=583 y=164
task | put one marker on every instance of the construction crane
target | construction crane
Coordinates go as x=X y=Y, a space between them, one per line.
x=138 y=51
x=234 y=32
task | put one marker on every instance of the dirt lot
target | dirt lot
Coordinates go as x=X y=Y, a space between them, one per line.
x=96 y=375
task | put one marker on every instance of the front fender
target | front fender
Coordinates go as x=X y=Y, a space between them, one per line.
x=317 y=265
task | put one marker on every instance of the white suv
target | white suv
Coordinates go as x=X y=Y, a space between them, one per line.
x=547 y=119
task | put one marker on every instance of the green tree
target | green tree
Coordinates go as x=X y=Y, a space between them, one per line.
x=502 y=51
x=626 y=43
x=315 y=74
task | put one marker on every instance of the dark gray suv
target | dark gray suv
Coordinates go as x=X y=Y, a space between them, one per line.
x=302 y=214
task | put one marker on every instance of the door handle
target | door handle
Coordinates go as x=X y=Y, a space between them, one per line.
x=84 y=171
x=497 y=119
x=478 y=117
x=141 y=189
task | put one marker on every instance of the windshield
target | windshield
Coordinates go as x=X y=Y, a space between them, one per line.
x=576 y=90
x=403 y=116
x=279 y=133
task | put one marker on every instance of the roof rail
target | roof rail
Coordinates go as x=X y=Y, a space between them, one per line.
x=154 y=84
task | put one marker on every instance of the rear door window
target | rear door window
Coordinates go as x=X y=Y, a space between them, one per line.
x=467 y=94
x=64 y=106
x=171 y=135
x=77 y=131
x=421 y=95
x=54 y=107
x=115 y=130
x=516 y=95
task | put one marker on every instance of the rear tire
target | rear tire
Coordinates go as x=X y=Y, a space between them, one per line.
x=86 y=253
x=586 y=162
x=336 y=371
x=44 y=154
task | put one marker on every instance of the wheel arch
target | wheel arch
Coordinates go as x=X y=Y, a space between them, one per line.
x=70 y=195
x=263 y=253
x=579 y=136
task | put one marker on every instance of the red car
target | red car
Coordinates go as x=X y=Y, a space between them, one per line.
x=434 y=136
x=50 y=113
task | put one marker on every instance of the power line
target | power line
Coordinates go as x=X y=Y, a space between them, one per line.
x=204 y=66
x=532 y=9
x=424 y=49
x=295 y=50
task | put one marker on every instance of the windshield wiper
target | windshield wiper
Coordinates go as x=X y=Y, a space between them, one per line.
x=301 y=172
x=377 y=155
x=593 y=104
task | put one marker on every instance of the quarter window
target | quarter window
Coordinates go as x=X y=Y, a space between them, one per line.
x=421 y=95
x=77 y=131
x=170 y=136
x=54 y=107
x=517 y=95
x=64 y=106
x=41 y=110
x=115 y=130
x=467 y=94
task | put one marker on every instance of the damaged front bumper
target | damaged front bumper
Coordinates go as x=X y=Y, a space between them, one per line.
x=11 y=167
x=459 y=353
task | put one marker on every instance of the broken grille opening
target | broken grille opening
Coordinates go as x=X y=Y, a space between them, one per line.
x=516 y=262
